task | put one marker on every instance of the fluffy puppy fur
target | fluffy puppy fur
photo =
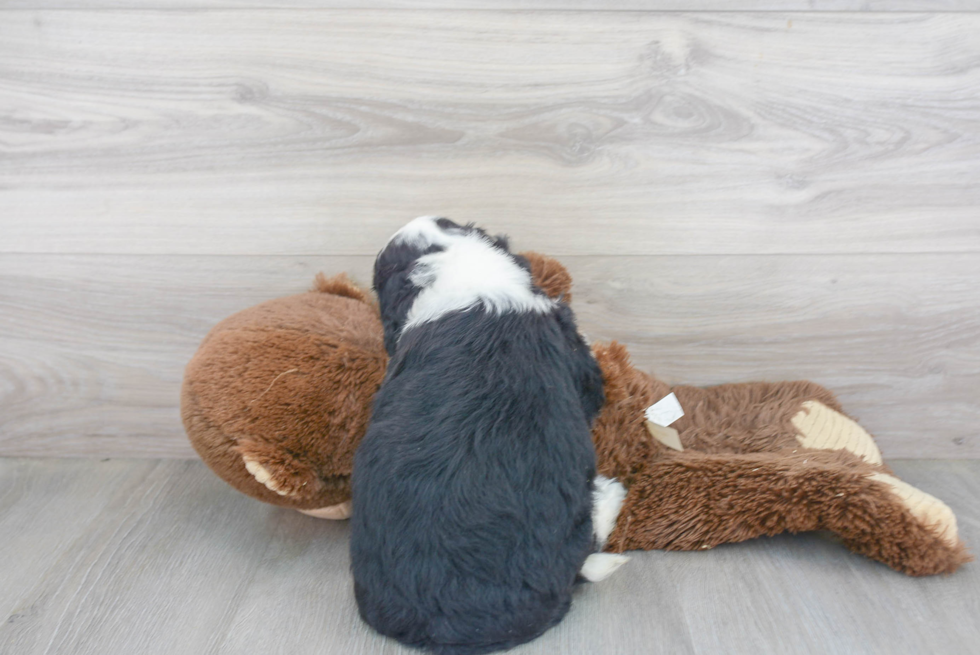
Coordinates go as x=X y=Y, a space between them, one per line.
x=473 y=487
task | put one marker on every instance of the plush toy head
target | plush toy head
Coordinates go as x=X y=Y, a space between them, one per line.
x=278 y=396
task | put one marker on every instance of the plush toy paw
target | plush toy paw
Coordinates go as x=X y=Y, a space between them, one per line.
x=337 y=512
x=822 y=428
x=927 y=509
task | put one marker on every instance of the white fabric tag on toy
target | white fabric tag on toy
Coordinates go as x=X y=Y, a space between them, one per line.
x=665 y=411
x=660 y=415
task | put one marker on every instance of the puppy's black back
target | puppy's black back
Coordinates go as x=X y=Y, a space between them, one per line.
x=472 y=487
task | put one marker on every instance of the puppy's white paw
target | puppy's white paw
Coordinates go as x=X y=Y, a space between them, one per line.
x=599 y=566
x=607 y=500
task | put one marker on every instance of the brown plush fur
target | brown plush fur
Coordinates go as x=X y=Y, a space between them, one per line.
x=743 y=474
x=695 y=500
x=289 y=384
x=553 y=278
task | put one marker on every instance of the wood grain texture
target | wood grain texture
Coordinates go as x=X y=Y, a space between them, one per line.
x=122 y=557
x=523 y=5
x=308 y=131
x=93 y=347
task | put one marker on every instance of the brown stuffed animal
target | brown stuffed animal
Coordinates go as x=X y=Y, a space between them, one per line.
x=278 y=396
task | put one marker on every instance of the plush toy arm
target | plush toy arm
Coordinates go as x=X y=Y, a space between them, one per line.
x=692 y=500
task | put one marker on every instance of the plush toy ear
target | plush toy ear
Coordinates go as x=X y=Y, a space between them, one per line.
x=501 y=241
x=395 y=290
x=549 y=275
x=341 y=285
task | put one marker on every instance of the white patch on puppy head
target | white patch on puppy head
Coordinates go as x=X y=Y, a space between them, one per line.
x=421 y=233
x=470 y=271
x=607 y=500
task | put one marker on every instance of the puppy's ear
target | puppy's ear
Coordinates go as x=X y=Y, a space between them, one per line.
x=395 y=290
x=501 y=241
x=395 y=296
x=585 y=369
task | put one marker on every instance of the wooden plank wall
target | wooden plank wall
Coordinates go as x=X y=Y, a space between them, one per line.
x=740 y=195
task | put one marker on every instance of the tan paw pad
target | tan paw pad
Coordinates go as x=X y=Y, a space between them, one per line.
x=925 y=508
x=337 y=512
x=262 y=475
x=822 y=428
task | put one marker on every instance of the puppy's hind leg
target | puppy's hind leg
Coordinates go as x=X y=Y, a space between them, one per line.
x=599 y=566
x=607 y=501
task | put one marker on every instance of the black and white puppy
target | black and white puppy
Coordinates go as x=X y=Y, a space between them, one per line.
x=475 y=499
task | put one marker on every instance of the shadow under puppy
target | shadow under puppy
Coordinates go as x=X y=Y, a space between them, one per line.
x=476 y=505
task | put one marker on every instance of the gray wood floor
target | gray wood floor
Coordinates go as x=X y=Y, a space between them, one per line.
x=159 y=556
